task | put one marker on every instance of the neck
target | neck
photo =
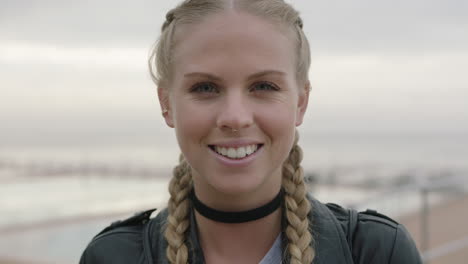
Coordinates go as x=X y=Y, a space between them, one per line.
x=224 y=242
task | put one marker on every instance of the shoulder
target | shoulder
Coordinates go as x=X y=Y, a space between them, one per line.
x=376 y=238
x=121 y=242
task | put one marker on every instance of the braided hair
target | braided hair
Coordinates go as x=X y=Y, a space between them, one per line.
x=296 y=205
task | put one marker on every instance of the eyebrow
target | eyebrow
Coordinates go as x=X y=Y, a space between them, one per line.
x=202 y=74
x=216 y=78
x=266 y=72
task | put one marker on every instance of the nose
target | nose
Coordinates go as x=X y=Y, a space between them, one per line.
x=234 y=112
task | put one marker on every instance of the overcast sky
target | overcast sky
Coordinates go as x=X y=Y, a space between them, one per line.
x=74 y=68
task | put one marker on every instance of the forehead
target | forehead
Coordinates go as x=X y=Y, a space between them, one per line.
x=236 y=41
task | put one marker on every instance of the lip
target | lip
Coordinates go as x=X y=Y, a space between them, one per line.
x=236 y=162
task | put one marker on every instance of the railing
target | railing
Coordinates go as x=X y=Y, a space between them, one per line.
x=84 y=169
x=452 y=185
x=445 y=249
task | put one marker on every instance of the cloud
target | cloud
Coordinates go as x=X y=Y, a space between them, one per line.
x=366 y=26
x=333 y=26
x=78 y=23
x=82 y=57
x=397 y=64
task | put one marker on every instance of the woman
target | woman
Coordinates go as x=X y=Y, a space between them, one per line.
x=232 y=81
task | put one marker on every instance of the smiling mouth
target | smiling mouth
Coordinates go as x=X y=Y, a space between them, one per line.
x=236 y=153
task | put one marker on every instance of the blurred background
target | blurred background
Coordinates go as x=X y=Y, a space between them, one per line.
x=83 y=143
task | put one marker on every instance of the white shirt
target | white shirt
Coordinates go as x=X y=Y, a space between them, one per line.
x=274 y=255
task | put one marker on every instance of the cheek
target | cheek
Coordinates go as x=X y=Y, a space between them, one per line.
x=191 y=123
x=278 y=122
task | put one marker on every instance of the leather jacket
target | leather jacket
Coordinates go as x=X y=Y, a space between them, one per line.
x=375 y=238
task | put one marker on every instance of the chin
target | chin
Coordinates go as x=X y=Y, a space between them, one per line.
x=241 y=183
x=237 y=188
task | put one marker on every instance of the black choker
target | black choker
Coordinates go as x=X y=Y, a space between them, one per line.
x=236 y=217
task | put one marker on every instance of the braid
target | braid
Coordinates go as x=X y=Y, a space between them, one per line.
x=299 y=22
x=297 y=207
x=191 y=12
x=170 y=16
x=177 y=220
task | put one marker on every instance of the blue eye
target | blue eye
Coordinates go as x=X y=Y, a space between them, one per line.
x=264 y=86
x=204 y=88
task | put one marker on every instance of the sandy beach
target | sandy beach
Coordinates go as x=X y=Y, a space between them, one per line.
x=447 y=225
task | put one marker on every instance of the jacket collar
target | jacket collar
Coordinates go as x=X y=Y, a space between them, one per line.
x=329 y=239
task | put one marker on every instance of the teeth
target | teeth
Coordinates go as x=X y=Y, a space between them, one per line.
x=236 y=153
x=232 y=153
x=241 y=152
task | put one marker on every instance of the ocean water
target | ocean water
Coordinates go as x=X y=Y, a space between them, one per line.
x=322 y=151
x=53 y=199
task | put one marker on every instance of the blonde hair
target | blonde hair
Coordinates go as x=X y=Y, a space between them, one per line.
x=296 y=205
x=193 y=11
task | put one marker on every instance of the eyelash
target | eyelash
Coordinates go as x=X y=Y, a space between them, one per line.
x=196 y=87
x=272 y=87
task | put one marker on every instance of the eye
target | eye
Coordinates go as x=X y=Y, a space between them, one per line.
x=204 y=87
x=264 y=86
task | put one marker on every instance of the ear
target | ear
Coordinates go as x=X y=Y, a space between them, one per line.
x=302 y=103
x=163 y=95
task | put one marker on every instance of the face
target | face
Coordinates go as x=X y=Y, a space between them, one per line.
x=234 y=102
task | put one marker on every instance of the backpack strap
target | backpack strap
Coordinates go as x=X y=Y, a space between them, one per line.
x=352 y=226
x=353 y=216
